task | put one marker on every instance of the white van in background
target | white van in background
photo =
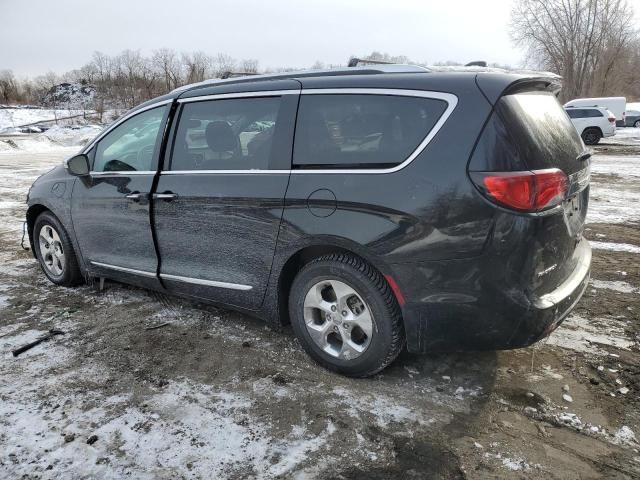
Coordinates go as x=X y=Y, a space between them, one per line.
x=616 y=105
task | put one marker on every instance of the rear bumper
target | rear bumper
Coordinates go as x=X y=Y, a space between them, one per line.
x=464 y=313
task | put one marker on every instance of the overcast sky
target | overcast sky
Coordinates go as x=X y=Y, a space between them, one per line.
x=44 y=35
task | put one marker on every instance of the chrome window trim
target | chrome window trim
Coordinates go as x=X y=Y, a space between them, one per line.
x=452 y=102
x=124 y=269
x=230 y=172
x=222 y=96
x=451 y=99
x=124 y=173
x=207 y=283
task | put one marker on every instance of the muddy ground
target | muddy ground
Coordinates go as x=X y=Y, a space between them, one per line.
x=216 y=394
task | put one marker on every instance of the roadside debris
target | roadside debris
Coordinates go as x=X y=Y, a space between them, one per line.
x=154 y=327
x=52 y=333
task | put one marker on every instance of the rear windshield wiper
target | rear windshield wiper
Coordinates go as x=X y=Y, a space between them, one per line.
x=586 y=155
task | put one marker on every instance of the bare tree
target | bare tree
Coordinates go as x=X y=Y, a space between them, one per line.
x=249 y=65
x=198 y=66
x=8 y=87
x=167 y=63
x=580 y=40
x=224 y=63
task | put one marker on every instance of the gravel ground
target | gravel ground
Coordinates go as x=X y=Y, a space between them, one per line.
x=216 y=394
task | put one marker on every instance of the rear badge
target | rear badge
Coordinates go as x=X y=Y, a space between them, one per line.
x=547 y=270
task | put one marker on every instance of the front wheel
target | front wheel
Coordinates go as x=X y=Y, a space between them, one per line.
x=346 y=316
x=55 y=252
x=591 y=136
x=637 y=124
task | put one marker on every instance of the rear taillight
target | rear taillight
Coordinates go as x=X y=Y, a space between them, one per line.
x=527 y=191
x=612 y=119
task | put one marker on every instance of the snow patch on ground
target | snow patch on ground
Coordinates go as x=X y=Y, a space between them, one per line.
x=184 y=426
x=612 y=205
x=616 y=285
x=620 y=165
x=69 y=137
x=17 y=173
x=624 y=135
x=52 y=139
x=614 y=202
x=16 y=117
x=616 y=247
x=514 y=464
x=588 y=336
x=625 y=436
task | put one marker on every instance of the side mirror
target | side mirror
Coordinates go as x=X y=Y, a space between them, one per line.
x=78 y=165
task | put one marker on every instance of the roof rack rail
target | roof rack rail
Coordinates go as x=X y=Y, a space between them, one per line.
x=230 y=74
x=242 y=77
x=354 y=61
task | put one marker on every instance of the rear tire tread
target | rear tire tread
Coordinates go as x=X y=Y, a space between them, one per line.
x=393 y=309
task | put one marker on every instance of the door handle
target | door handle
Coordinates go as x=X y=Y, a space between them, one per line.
x=135 y=196
x=166 y=196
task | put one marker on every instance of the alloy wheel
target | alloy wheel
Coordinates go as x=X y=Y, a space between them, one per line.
x=337 y=319
x=51 y=250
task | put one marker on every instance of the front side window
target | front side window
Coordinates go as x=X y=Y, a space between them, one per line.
x=131 y=145
x=361 y=130
x=232 y=134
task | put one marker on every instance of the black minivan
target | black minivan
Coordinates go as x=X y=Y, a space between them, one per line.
x=371 y=208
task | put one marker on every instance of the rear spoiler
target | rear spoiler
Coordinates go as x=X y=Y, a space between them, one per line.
x=493 y=89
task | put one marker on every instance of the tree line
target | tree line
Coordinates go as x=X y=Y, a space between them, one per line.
x=592 y=44
x=123 y=81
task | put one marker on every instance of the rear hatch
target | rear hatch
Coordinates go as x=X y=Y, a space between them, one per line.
x=532 y=156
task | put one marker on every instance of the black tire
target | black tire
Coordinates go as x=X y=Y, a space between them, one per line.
x=636 y=124
x=591 y=136
x=70 y=275
x=387 y=339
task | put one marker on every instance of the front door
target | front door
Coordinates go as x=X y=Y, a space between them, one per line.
x=110 y=208
x=220 y=197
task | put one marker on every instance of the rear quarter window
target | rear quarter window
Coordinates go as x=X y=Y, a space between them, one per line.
x=361 y=130
x=528 y=131
x=541 y=134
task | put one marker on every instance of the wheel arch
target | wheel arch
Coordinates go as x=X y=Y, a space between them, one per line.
x=598 y=129
x=33 y=212
x=302 y=255
x=39 y=207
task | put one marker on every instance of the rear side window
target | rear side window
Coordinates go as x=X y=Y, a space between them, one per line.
x=232 y=134
x=584 y=113
x=361 y=131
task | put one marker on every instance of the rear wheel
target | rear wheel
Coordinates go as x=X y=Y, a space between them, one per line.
x=55 y=252
x=346 y=316
x=591 y=136
x=637 y=124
